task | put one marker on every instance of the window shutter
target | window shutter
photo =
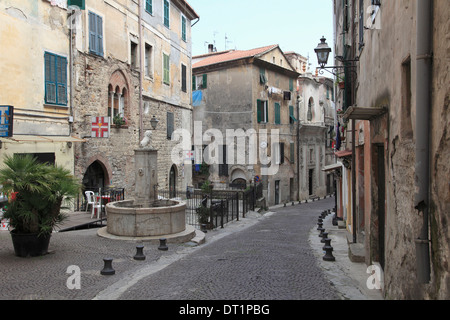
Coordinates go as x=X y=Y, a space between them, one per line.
x=281 y=152
x=183 y=78
x=205 y=80
x=170 y=125
x=259 y=110
x=92 y=33
x=266 y=107
x=78 y=3
x=183 y=28
x=277 y=113
x=166 y=13
x=193 y=84
x=149 y=6
x=99 y=35
x=166 y=69
x=61 y=78
x=291 y=85
x=50 y=81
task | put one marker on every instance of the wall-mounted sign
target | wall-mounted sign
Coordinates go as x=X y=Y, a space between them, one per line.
x=100 y=127
x=6 y=121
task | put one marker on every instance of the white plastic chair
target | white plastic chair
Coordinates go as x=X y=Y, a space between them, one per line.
x=90 y=196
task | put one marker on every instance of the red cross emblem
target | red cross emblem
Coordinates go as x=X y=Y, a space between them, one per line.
x=100 y=127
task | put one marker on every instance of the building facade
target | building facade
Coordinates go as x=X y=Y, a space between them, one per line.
x=34 y=62
x=132 y=62
x=395 y=104
x=249 y=92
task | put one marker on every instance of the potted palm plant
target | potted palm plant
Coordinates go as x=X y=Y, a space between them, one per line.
x=36 y=193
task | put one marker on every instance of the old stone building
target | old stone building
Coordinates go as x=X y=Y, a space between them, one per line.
x=395 y=107
x=131 y=63
x=250 y=91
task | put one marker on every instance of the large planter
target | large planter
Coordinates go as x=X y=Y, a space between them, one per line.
x=30 y=245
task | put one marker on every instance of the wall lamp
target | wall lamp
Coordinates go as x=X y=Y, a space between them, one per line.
x=154 y=122
x=323 y=52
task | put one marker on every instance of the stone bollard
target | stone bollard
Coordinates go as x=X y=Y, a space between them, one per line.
x=163 y=245
x=139 y=253
x=108 y=269
x=328 y=251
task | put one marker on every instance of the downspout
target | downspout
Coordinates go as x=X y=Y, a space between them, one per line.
x=141 y=73
x=422 y=132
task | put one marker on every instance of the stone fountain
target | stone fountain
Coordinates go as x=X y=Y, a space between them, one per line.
x=147 y=218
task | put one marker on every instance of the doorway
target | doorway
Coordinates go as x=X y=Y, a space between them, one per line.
x=94 y=177
x=277 y=191
x=310 y=181
x=173 y=182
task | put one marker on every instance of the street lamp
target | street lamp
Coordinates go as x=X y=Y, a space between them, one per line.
x=323 y=52
x=154 y=122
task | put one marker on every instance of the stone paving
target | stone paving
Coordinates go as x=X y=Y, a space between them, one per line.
x=261 y=257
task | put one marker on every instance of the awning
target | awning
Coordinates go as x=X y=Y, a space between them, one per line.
x=332 y=167
x=343 y=153
x=364 y=113
x=35 y=138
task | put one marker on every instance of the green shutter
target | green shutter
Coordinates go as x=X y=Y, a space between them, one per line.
x=292 y=153
x=166 y=14
x=291 y=85
x=78 y=3
x=193 y=84
x=259 y=110
x=205 y=81
x=149 y=6
x=277 y=113
x=166 y=78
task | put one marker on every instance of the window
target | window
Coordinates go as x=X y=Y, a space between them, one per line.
x=183 y=78
x=309 y=115
x=148 y=61
x=291 y=84
x=183 y=28
x=262 y=111
x=55 y=79
x=278 y=150
x=95 y=34
x=223 y=166
x=149 y=6
x=170 y=125
x=277 y=113
x=134 y=55
x=199 y=82
x=361 y=24
x=166 y=60
x=405 y=120
x=292 y=152
x=166 y=13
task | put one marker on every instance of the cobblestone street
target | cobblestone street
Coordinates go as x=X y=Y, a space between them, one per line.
x=258 y=258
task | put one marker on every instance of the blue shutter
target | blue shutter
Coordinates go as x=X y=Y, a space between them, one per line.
x=50 y=81
x=166 y=14
x=99 y=24
x=149 y=6
x=92 y=33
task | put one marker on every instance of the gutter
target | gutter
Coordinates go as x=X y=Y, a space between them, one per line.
x=424 y=25
x=141 y=74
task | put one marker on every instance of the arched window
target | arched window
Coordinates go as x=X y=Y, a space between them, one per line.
x=118 y=97
x=310 y=109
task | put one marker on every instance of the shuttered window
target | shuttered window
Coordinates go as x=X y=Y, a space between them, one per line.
x=292 y=152
x=95 y=34
x=183 y=78
x=262 y=111
x=170 y=125
x=183 y=28
x=166 y=13
x=277 y=113
x=149 y=6
x=55 y=79
x=166 y=78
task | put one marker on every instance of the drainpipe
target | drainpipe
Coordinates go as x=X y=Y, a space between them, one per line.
x=422 y=134
x=141 y=74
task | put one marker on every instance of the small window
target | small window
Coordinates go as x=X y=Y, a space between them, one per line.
x=199 y=82
x=148 y=60
x=133 y=54
x=262 y=76
x=166 y=78
x=55 y=79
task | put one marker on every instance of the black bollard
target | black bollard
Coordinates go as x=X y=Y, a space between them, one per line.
x=108 y=269
x=324 y=236
x=203 y=228
x=163 y=245
x=321 y=231
x=139 y=253
x=328 y=251
x=320 y=224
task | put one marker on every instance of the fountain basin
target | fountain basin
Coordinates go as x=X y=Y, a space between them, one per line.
x=158 y=218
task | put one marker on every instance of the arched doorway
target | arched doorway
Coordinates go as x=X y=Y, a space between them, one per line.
x=173 y=181
x=94 y=177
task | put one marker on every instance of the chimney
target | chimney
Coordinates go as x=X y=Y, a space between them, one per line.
x=210 y=48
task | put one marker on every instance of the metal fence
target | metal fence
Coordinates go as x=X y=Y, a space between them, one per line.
x=213 y=209
x=104 y=196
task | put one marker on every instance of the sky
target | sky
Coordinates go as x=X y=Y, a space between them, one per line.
x=295 y=25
